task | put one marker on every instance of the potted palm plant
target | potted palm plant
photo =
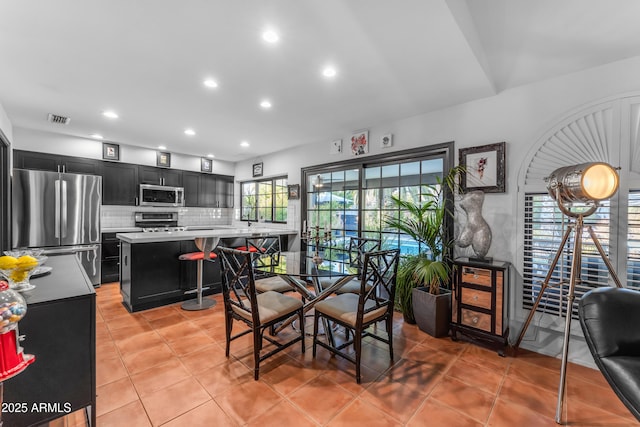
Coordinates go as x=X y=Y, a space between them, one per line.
x=423 y=280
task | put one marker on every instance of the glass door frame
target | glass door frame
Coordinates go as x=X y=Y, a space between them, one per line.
x=444 y=150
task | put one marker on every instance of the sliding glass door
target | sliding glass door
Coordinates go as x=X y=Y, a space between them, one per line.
x=353 y=198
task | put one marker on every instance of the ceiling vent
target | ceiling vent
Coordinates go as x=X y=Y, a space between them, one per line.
x=60 y=120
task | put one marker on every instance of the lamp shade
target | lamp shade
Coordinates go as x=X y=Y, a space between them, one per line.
x=586 y=182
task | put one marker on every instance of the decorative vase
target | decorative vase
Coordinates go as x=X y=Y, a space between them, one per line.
x=432 y=312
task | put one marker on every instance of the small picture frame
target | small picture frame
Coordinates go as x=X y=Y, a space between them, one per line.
x=110 y=151
x=294 y=191
x=163 y=159
x=206 y=165
x=257 y=169
x=360 y=143
x=386 y=140
x=484 y=168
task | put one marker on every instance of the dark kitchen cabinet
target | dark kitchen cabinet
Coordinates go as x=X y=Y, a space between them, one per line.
x=119 y=184
x=208 y=197
x=191 y=184
x=160 y=176
x=224 y=190
x=150 y=274
x=55 y=163
x=207 y=190
x=110 y=262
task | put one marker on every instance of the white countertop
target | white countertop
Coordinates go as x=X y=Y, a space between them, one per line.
x=172 y=236
x=121 y=229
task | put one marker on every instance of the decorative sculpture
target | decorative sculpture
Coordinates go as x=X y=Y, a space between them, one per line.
x=476 y=232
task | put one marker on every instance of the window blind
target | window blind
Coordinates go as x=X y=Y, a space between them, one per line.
x=545 y=227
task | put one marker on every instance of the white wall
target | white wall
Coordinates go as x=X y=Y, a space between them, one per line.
x=48 y=142
x=518 y=116
x=5 y=125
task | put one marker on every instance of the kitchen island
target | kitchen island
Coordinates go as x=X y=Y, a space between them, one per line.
x=151 y=275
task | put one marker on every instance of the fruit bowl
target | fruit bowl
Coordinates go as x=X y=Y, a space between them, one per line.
x=18 y=270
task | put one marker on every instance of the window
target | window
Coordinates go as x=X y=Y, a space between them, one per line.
x=545 y=227
x=264 y=200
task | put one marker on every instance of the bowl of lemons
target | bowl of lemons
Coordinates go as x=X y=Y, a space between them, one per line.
x=17 y=269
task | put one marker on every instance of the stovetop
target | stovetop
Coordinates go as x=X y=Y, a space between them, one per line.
x=156 y=229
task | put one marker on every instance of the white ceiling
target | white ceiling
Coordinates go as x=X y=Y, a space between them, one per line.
x=147 y=59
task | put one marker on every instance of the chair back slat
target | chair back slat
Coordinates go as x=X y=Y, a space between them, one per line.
x=265 y=250
x=378 y=284
x=238 y=283
x=358 y=246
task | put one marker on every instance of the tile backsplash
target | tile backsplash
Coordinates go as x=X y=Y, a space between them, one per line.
x=123 y=216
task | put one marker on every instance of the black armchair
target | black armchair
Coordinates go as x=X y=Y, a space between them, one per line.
x=609 y=318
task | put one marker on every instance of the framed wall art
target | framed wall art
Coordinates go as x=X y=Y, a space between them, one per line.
x=110 y=151
x=163 y=159
x=484 y=168
x=360 y=143
x=206 y=165
x=294 y=191
x=257 y=169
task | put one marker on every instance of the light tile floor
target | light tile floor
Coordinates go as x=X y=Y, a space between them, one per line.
x=166 y=367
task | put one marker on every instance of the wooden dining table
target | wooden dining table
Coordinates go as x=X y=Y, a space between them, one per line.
x=299 y=268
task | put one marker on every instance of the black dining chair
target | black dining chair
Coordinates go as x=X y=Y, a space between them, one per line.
x=265 y=251
x=259 y=311
x=356 y=312
x=358 y=246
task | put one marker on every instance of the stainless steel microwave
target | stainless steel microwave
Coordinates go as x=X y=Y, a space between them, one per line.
x=160 y=195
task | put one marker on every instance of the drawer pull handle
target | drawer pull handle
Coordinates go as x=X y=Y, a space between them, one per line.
x=475 y=320
x=475 y=297
x=475 y=276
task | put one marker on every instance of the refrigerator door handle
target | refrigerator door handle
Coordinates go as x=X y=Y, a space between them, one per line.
x=69 y=250
x=64 y=208
x=57 y=213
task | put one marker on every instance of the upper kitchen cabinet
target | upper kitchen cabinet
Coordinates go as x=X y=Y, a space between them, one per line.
x=191 y=184
x=119 y=183
x=160 y=176
x=224 y=189
x=55 y=163
x=207 y=190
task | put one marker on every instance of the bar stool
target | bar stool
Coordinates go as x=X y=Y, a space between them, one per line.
x=198 y=303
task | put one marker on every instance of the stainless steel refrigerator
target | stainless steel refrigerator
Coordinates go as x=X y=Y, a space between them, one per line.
x=59 y=212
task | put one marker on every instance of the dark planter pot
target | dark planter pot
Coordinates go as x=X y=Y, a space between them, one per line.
x=432 y=312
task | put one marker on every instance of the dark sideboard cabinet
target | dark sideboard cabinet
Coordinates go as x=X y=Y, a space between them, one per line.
x=120 y=181
x=60 y=331
x=480 y=303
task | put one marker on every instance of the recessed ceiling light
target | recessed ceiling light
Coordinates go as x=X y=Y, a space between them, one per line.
x=210 y=83
x=265 y=104
x=270 y=36
x=161 y=147
x=211 y=156
x=189 y=132
x=96 y=136
x=110 y=114
x=244 y=144
x=329 y=72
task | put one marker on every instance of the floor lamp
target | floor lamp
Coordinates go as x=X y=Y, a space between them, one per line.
x=577 y=190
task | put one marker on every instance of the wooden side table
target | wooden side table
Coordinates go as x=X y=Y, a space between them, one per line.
x=480 y=303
